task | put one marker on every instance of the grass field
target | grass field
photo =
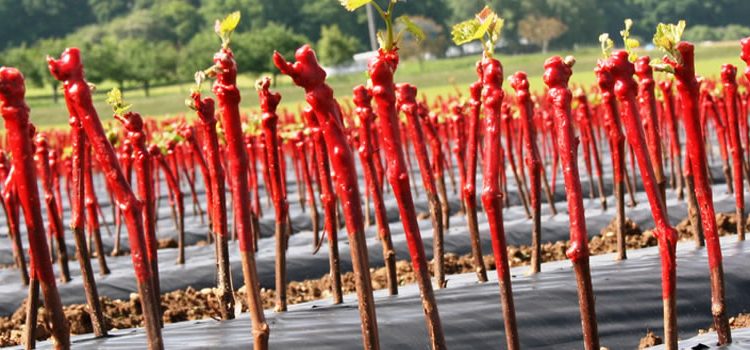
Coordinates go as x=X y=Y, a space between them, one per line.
x=434 y=77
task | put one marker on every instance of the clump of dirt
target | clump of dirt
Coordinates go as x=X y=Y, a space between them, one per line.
x=740 y=321
x=166 y=243
x=650 y=340
x=606 y=241
x=725 y=223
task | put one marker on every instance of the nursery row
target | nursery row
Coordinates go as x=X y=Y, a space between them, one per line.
x=531 y=136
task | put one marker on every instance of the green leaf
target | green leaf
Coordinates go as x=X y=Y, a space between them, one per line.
x=412 y=28
x=630 y=46
x=667 y=37
x=606 y=44
x=466 y=31
x=486 y=26
x=626 y=32
x=496 y=28
x=660 y=66
x=380 y=36
x=225 y=27
x=352 y=5
x=495 y=23
x=114 y=99
x=630 y=43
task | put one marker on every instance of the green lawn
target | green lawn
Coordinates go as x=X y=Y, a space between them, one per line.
x=433 y=78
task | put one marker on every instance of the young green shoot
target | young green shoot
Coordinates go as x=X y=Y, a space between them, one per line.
x=224 y=28
x=388 y=40
x=630 y=43
x=607 y=44
x=486 y=27
x=666 y=38
x=114 y=99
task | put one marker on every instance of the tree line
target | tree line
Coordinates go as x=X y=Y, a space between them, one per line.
x=142 y=42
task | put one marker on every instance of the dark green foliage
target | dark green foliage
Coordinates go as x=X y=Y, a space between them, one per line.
x=144 y=42
x=335 y=47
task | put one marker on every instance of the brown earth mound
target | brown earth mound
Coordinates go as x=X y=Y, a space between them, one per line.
x=650 y=340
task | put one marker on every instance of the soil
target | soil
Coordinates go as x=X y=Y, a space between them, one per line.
x=740 y=321
x=650 y=340
x=191 y=304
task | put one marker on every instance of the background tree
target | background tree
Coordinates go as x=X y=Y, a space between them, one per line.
x=152 y=61
x=541 y=30
x=106 y=10
x=254 y=49
x=196 y=54
x=434 y=44
x=110 y=60
x=334 y=47
x=250 y=10
x=40 y=51
x=181 y=18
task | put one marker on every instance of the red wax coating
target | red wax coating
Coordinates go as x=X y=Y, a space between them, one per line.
x=745 y=55
x=407 y=100
x=92 y=202
x=549 y=123
x=362 y=99
x=78 y=165
x=431 y=130
x=15 y=112
x=717 y=115
x=612 y=123
x=253 y=178
x=188 y=133
x=731 y=99
x=69 y=70
x=459 y=134
x=520 y=84
x=266 y=168
x=269 y=102
x=282 y=166
x=585 y=122
x=688 y=90
x=625 y=89
x=225 y=89
x=308 y=74
x=670 y=117
x=170 y=177
x=56 y=171
x=584 y=126
x=10 y=203
x=470 y=190
x=141 y=161
x=382 y=69
x=556 y=75
x=647 y=103
x=45 y=173
x=206 y=125
x=557 y=72
x=300 y=141
x=327 y=196
x=492 y=196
